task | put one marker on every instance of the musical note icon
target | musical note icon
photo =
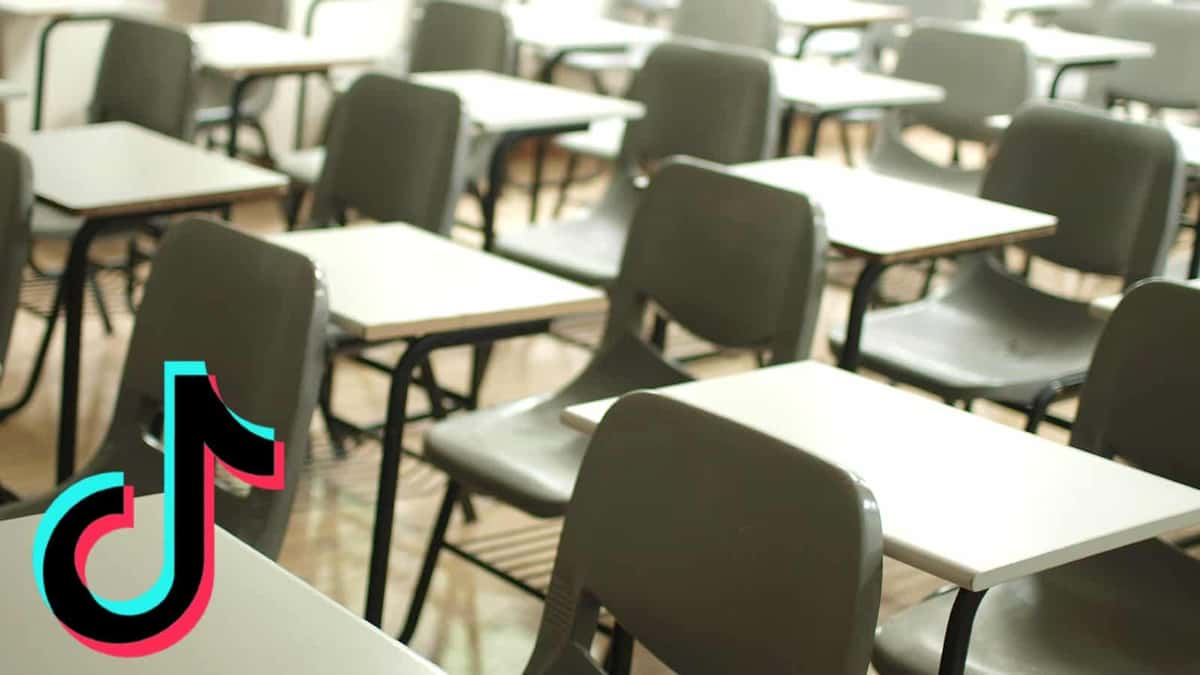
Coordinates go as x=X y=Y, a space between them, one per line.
x=198 y=430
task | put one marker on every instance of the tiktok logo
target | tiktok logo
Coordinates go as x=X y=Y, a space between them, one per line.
x=198 y=428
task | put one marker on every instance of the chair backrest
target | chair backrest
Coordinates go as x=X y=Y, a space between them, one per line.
x=1087 y=19
x=271 y=12
x=1139 y=400
x=395 y=153
x=1168 y=79
x=675 y=528
x=735 y=262
x=259 y=325
x=746 y=23
x=16 y=200
x=462 y=36
x=148 y=76
x=717 y=105
x=1116 y=187
x=983 y=75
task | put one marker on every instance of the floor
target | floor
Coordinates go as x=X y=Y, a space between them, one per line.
x=475 y=625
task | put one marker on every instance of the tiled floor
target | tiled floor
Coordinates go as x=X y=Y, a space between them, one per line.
x=474 y=625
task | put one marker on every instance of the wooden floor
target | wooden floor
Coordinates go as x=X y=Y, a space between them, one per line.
x=474 y=624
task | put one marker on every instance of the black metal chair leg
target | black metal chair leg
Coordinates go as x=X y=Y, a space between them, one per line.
x=565 y=186
x=658 y=335
x=1040 y=406
x=261 y=131
x=437 y=540
x=325 y=407
x=293 y=202
x=847 y=145
x=101 y=306
x=619 y=660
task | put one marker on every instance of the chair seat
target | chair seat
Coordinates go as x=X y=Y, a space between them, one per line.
x=49 y=222
x=522 y=453
x=303 y=167
x=1128 y=611
x=602 y=140
x=891 y=159
x=588 y=251
x=989 y=337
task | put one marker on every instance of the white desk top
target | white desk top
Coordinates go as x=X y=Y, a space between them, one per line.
x=826 y=88
x=1058 y=47
x=261 y=619
x=1103 y=308
x=1188 y=138
x=550 y=31
x=825 y=14
x=501 y=104
x=61 y=8
x=241 y=48
x=875 y=216
x=118 y=168
x=391 y=281
x=963 y=498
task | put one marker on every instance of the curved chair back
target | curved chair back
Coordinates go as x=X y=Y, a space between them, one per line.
x=147 y=76
x=1116 y=187
x=675 y=527
x=1088 y=19
x=983 y=75
x=462 y=36
x=1169 y=78
x=1139 y=401
x=395 y=153
x=747 y=23
x=707 y=103
x=735 y=262
x=16 y=202
x=270 y=12
x=259 y=326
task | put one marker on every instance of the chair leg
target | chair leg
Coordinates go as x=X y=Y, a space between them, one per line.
x=1040 y=406
x=437 y=540
x=847 y=146
x=257 y=125
x=930 y=275
x=658 y=335
x=481 y=357
x=293 y=202
x=565 y=186
x=101 y=306
x=325 y=407
x=619 y=660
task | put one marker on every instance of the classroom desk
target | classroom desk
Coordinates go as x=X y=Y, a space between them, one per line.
x=58 y=12
x=814 y=17
x=885 y=221
x=260 y=619
x=821 y=90
x=516 y=109
x=246 y=51
x=961 y=497
x=395 y=281
x=1060 y=49
x=113 y=175
x=555 y=34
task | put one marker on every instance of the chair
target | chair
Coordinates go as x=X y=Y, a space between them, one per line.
x=157 y=93
x=1115 y=188
x=396 y=152
x=16 y=202
x=754 y=25
x=449 y=36
x=738 y=263
x=1089 y=19
x=1126 y=611
x=1165 y=80
x=987 y=76
x=259 y=325
x=715 y=105
x=216 y=91
x=782 y=573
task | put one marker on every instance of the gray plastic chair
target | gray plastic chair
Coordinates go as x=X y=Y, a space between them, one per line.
x=714 y=105
x=396 y=152
x=16 y=201
x=216 y=91
x=983 y=76
x=780 y=574
x=449 y=36
x=738 y=263
x=1116 y=189
x=260 y=327
x=1128 y=611
x=1169 y=78
x=1088 y=19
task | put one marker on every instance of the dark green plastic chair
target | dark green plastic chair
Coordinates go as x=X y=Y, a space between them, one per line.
x=736 y=262
x=1131 y=610
x=1116 y=190
x=259 y=326
x=720 y=549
